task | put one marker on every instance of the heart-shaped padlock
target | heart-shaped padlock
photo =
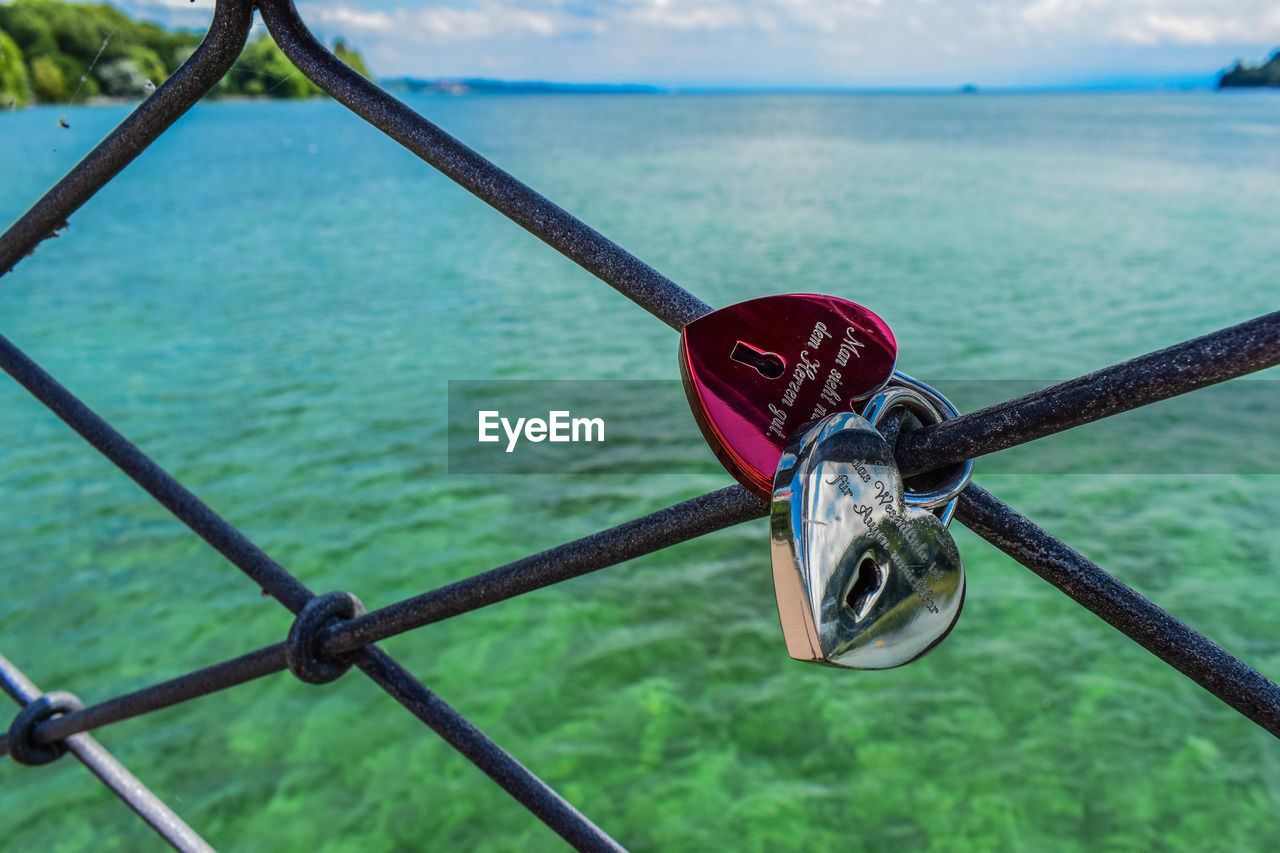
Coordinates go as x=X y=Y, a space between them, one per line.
x=863 y=580
x=757 y=371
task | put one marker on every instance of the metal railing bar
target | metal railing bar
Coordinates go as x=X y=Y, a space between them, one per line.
x=1215 y=357
x=1191 y=653
x=290 y=591
x=559 y=229
x=146 y=805
x=679 y=523
x=228 y=32
x=113 y=774
x=160 y=484
x=202 y=682
x=1193 y=364
x=499 y=765
x=512 y=776
x=287 y=589
x=1223 y=675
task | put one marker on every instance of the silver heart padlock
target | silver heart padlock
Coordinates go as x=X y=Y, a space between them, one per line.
x=866 y=576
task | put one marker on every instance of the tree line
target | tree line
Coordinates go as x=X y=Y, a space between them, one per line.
x=1267 y=74
x=54 y=52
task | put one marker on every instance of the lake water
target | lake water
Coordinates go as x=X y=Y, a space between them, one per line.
x=272 y=300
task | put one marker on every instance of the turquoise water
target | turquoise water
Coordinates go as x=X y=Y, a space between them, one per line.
x=272 y=300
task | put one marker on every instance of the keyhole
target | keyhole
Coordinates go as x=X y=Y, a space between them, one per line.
x=865 y=588
x=767 y=364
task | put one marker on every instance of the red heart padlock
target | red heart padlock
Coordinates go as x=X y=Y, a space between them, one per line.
x=757 y=371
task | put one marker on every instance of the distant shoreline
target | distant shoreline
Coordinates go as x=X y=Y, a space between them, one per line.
x=436 y=88
x=471 y=86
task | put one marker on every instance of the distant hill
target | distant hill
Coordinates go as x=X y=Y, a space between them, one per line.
x=468 y=85
x=1243 y=75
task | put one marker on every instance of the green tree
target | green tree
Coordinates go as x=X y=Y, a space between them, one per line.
x=31 y=30
x=15 y=82
x=47 y=81
x=1267 y=74
x=77 y=33
x=148 y=63
x=350 y=57
x=67 y=37
x=263 y=69
x=172 y=48
x=82 y=50
x=123 y=78
x=95 y=48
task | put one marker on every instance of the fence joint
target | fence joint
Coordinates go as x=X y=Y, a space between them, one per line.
x=301 y=649
x=21 y=747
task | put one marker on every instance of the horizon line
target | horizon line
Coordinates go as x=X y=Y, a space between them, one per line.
x=1200 y=83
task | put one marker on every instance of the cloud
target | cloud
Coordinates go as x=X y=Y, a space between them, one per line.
x=550 y=18
x=354 y=18
x=1180 y=29
x=797 y=42
x=1137 y=22
x=1143 y=22
x=438 y=22
x=697 y=16
x=758 y=15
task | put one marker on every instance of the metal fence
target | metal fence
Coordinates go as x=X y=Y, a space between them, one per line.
x=332 y=632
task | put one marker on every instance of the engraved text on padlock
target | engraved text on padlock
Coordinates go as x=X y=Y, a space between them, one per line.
x=862 y=580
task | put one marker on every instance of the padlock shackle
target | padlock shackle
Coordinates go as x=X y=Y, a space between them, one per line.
x=931 y=408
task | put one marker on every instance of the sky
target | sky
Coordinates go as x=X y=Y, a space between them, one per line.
x=871 y=44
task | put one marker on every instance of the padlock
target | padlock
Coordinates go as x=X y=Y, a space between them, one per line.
x=757 y=371
x=866 y=576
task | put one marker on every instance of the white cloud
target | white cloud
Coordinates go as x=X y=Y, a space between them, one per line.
x=1140 y=22
x=824 y=42
x=758 y=15
x=437 y=22
x=1181 y=29
x=1143 y=22
x=445 y=22
x=353 y=18
x=692 y=16
x=550 y=18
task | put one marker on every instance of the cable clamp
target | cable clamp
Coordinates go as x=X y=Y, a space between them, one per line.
x=21 y=747
x=318 y=614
